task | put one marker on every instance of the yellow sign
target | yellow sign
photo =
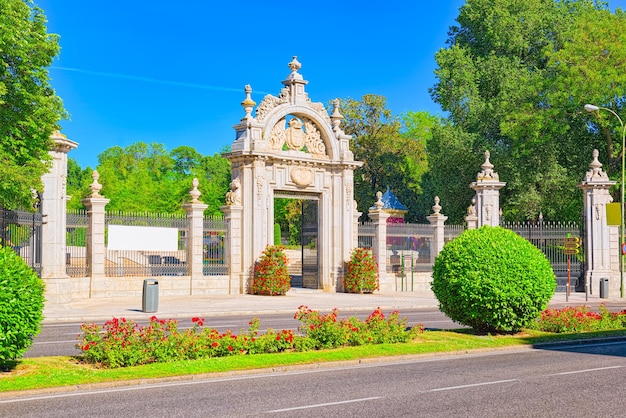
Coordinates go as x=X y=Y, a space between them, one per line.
x=613 y=214
x=571 y=245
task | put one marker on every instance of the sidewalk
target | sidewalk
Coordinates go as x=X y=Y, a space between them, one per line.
x=100 y=310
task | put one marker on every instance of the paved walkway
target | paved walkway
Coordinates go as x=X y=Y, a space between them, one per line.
x=99 y=310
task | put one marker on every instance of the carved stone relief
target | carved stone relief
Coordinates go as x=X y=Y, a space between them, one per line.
x=296 y=138
x=301 y=176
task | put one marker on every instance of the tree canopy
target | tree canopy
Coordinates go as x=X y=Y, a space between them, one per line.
x=146 y=177
x=514 y=78
x=29 y=108
x=392 y=150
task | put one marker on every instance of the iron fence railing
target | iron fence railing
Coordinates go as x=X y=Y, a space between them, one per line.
x=213 y=259
x=21 y=230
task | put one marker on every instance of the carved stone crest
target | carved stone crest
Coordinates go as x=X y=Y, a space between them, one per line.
x=301 y=176
x=294 y=135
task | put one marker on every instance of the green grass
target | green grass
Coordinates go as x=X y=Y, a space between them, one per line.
x=47 y=372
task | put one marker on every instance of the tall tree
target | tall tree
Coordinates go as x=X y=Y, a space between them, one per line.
x=391 y=158
x=29 y=108
x=512 y=77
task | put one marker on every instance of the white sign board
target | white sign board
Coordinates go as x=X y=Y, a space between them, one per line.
x=142 y=238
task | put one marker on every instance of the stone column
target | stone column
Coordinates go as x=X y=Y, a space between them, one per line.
x=96 y=249
x=379 y=218
x=233 y=215
x=487 y=187
x=53 y=206
x=195 y=239
x=600 y=262
x=437 y=221
x=355 y=222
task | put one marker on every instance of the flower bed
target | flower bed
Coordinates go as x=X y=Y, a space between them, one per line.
x=579 y=319
x=121 y=342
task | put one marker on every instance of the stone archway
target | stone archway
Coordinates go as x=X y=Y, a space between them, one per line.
x=291 y=145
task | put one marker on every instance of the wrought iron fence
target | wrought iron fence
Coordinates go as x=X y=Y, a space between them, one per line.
x=366 y=235
x=21 y=231
x=549 y=237
x=213 y=260
x=77 y=264
x=408 y=247
x=119 y=263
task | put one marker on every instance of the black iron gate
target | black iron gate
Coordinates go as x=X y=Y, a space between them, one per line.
x=549 y=238
x=21 y=231
x=310 y=263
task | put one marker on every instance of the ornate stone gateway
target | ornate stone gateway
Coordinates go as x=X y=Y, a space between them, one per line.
x=291 y=146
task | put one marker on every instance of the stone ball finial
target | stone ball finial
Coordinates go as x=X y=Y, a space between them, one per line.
x=336 y=117
x=487 y=172
x=194 y=192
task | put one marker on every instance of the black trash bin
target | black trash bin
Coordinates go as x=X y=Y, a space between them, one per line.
x=604 y=288
x=150 y=299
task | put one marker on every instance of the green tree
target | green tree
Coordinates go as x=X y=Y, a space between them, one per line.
x=514 y=78
x=392 y=157
x=78 y=181
x=29 y=108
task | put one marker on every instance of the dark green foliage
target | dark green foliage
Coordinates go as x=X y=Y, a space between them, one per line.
x=491 y=279
x=21 y=305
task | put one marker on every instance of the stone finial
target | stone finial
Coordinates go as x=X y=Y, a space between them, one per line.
x=436 y=206
x=248 y=104
x=379 y=200
x=194 y=192
x=294 y=65
x=595 y=172
x=95 y=186
x=487 y=173
x=336 y=117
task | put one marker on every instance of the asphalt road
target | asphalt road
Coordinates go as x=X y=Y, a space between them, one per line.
x=60 y=339
x=573 y=381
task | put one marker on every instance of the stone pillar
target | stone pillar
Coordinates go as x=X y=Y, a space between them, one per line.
x=96 y=249
x=195 y=239
x=487 y=187
x=53 y=207
x=355 y=225
x=379 y=218
x=437 y=221
x=600 y=262
x=233 y=215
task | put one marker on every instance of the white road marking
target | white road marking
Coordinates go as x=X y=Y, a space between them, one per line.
x=588 y=370
x=473 y=385
x=320 y=405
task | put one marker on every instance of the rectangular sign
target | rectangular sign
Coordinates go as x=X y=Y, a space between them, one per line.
x=613 y=214
x=142 y=238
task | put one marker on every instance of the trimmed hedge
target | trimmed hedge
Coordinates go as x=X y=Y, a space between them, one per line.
x=21 y=305
x=492 y=279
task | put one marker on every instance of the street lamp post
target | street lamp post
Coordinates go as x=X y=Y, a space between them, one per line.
x=593 y=109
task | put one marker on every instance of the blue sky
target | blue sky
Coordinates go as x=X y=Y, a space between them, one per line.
x=173 y=72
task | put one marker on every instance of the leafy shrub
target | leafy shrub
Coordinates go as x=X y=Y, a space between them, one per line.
x=491 y=279
x=579 y=319
x=21 y=305
x=361 y=272
x=270 y=272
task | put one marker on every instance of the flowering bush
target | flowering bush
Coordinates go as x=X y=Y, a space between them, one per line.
x=325 y=331
x=121 y=342
x=361 y=272
x=270 y=272
x=579 y=319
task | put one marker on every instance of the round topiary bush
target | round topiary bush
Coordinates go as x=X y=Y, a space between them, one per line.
x=21 y=305
x=492 y=279
x=270 y=272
